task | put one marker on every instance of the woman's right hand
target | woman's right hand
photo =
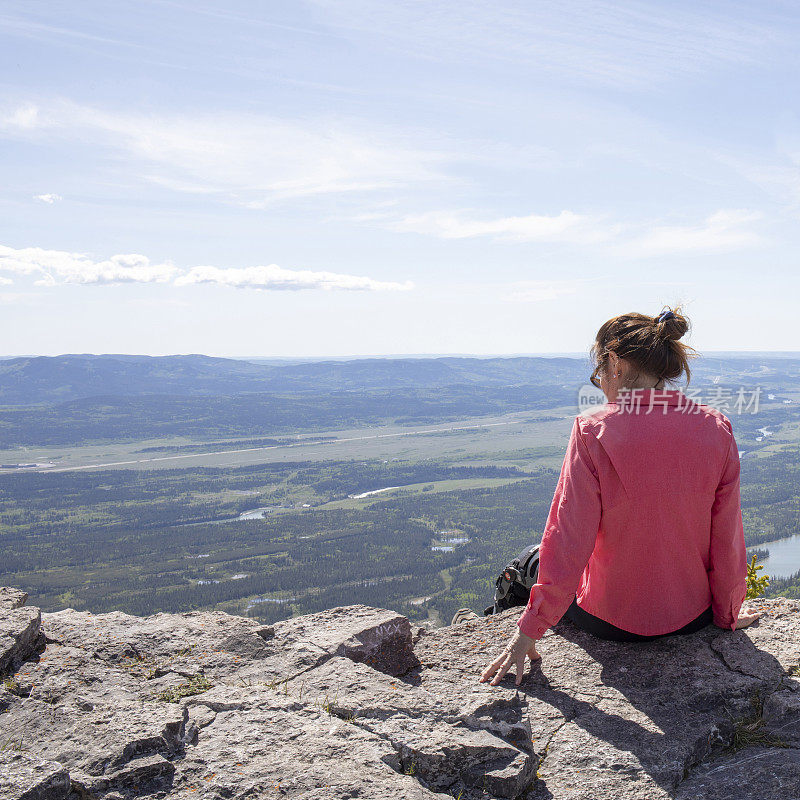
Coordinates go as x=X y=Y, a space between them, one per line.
x=519 y=647
x=747 y=616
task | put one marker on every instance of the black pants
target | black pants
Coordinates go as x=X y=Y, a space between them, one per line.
x=605 y=630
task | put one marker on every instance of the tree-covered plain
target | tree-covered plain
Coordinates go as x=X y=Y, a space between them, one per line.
x=169 y=540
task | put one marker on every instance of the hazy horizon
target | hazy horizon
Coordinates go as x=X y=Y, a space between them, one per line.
x=365 y=356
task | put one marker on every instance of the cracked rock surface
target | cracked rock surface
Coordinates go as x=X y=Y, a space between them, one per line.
x=355 y=703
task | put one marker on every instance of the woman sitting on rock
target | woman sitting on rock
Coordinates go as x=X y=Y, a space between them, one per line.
x=644 y=537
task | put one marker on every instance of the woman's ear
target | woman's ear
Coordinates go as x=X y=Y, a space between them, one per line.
x=613 y=363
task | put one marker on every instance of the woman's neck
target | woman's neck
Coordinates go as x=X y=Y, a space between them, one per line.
x=643 y=383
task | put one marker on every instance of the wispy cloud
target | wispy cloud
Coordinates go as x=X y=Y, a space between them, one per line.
x=48 y=198
x=5 y=281
x=277 y=278
x=54 y=267
x=722 y=231
x=775 y=172
x=251 y=160
x=565 y=226
x=628 y=44
x=34 y=29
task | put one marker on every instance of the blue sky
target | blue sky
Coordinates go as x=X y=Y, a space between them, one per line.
x=348 y=177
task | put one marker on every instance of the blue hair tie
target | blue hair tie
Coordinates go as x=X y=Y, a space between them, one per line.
x=665 y=316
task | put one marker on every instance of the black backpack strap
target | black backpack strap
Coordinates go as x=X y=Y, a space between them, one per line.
x=529 y=566
x=513 y=585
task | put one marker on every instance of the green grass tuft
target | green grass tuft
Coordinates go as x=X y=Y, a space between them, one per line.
x=748 y=731
x=197 y=684
x=13 y=687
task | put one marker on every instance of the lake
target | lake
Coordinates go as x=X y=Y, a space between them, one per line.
x=784 y=557
x=256 y=513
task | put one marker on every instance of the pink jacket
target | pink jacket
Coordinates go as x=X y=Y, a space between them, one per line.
x=646 y=523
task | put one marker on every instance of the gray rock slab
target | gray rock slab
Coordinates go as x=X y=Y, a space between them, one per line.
x=750 y=774
x=12 y=598
x=98 y=741
x=19 y=635
x=27 y=777
x=146 y=775
x=214 y=642
x=382 y=639
x=352 y=703
x=453 y=758
x=781 y=713
x=221 y=645
x=630 y=720
x=262 y=743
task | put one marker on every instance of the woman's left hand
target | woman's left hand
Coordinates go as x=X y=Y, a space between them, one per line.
x=514 y=655
x=747 y=616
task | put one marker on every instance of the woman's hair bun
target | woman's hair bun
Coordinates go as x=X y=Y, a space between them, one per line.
x=675 y=325
x=649 y=343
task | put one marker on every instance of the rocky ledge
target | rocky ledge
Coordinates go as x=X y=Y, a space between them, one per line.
x=356 y=703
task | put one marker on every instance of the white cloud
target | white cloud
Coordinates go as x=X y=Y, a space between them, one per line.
x=274 y=277
x=54 y=267
x=724 y=230
x=248 y=159
x=24 y=117
x=564 y=227
x=5 y=281
x=48 y=198
x=57 y=266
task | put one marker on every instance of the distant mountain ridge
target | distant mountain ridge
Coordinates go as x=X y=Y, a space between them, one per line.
x=57 y=379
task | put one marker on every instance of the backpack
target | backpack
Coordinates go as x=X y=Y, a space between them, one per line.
x=514 y=584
